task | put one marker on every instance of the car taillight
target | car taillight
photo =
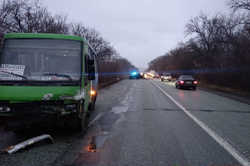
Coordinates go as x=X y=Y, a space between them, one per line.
x=181 y=82
x=195 y=82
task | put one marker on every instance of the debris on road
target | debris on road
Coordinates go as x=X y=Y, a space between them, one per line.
x=92 y=145
x=97 y=142
x=24 y=144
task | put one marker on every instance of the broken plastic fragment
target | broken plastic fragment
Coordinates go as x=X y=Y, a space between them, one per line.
x=22 y=145
x=91 y=148
x=92 y=145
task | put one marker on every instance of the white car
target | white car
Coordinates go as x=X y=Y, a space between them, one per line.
x=166 y=77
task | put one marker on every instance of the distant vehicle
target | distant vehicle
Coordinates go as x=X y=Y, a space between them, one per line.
x=148 y=75
x=134 y=75
x=186 y=81
x=157 y=76
x=143 y=75
x=166 y=77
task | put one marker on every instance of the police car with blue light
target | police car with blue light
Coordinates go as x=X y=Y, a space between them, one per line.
x=134 y=75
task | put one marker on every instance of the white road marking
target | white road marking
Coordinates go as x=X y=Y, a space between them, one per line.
x=95 y=119
x=227 y=146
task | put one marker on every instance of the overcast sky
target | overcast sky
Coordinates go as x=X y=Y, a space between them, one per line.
x=140 y=30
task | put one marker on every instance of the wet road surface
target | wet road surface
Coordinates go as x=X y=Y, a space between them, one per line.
x=136 y=124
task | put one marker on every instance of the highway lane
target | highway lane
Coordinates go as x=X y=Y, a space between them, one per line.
x=151 y=130
x=136 y=124
x=227 y=117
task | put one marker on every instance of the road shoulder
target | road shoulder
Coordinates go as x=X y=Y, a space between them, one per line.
x=240 y=98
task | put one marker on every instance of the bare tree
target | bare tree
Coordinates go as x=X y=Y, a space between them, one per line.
x=29 y=16
x=111 y=65
x=240 y=4
x=217 y=53
x=102 y=47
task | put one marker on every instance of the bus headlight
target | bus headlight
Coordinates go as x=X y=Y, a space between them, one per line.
x=5 y=109
x=92 y=92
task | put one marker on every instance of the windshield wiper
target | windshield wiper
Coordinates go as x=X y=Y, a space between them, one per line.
x=58 y=75
x=14 y=74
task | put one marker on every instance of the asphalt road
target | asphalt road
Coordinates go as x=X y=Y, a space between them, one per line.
x=135 y=123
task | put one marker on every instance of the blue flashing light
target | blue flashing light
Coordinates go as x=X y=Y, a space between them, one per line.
x=134 y=73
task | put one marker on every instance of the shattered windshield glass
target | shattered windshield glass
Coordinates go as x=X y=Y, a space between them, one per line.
x=41 y=60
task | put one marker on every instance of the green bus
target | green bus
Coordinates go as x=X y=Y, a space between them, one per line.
x=48 y=75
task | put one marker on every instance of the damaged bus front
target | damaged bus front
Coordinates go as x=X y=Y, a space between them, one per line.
x=46 y=75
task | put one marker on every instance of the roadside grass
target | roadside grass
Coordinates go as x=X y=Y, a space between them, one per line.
x=238 y=92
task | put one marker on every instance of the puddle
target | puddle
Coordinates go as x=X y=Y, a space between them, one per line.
x=121 y=119
x=100 y=140
x=119 y=109
x=124 y=105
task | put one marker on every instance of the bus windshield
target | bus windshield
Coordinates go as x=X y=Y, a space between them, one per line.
x=40 y=60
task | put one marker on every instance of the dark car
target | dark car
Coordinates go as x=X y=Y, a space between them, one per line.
x=186 y=81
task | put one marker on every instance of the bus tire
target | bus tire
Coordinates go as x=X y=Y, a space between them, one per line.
x=76 y=122
x=92 y=105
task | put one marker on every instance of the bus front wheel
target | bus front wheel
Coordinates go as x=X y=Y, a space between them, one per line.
x=78 y=122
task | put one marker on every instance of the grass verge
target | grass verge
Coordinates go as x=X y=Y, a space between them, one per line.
x=237 y=94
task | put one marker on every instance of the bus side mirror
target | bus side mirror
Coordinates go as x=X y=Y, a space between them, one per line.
x=91 y=70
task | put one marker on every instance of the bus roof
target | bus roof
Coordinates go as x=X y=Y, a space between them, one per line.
x=42 y=36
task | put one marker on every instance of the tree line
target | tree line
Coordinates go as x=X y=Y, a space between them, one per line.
x=30 y=16
x=218 y=51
